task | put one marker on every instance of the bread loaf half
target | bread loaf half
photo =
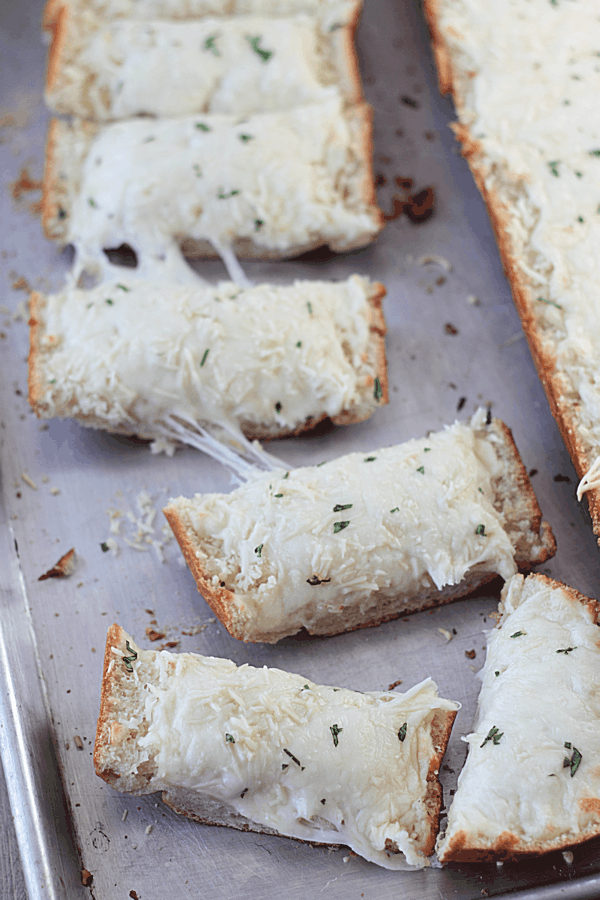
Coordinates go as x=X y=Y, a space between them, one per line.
x=525 y=81
x=285 y=182
x=264 y=750
x=236 y=65
x=366 y=537
x=531 y=782
x=131 y=355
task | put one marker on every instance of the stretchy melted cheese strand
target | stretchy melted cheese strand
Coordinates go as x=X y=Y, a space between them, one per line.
x=236 y=65
x=531 y=782
x=265 y=750
x=302 y=179
x=166 y=360
x=526 y=78
x=366 y=537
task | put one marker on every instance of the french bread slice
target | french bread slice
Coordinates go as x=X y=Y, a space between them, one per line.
x=366 y=537
x=285 y=182
x=525 y=81
x=128 y=356
x=235 y=65
x=531 y=782
x=265 y=750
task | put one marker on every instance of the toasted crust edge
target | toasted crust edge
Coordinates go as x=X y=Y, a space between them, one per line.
x=463 y=849
x=543 y=355
x=223 y=602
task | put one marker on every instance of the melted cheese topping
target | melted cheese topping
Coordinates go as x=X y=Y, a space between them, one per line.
x=312 y=762
x=540 y=690
x=529 y=92
x=172 y=68
x=132 y=353
x=352 y=532
x=277 y=179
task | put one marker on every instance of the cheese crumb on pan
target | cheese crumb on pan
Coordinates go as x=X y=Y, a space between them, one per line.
x=272 y=751
x=531 y=782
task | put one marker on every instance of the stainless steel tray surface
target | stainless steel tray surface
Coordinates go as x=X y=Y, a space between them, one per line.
x=62 y=487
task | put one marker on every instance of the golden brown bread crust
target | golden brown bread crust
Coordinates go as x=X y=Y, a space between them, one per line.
x=230 y=611
x=563 y=403
x=37 y=304
x=57 y=25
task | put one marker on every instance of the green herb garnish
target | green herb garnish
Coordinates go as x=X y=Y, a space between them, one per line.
x=567 y=650
x=421 y=469
x=496 y=673
x=258 y=224
x=298 y=343
x=309 y=304
x=481 y=530
x=594 y=152
x=549 y=302
x=61 y=213
x=339 y=507
x=395 y=509
x=254 y=42
x=92 y=202
x=246 y=137
x=209 y=44
x=223 y=196
x=123 y=287
x=426 y=449
x=378 y=393
x=493 y=735
x=554 y=167
x=109 y=301
x=278 y=406
x=103 y=546
x=129 y=659
x=335 y=730
x=294 y=758
x=518 y=634
x=52 y=381
x=402 y=732
x=279 y=495
x=197 y=170
x=229 y=738
x=339 y=526
x=204 y=355
x=202 y=126
x=287 y=475
x=369 y=458
x=258 y=550
x=574 y=760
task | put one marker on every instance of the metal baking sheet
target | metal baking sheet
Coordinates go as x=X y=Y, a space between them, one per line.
x=454 y=342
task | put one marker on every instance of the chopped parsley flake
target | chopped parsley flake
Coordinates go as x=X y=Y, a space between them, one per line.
x=104 y=547
x=518 y=634
x=258 y=224
x=496 y=673
x=279 y=495
x=123 y=287
x=52 y=381
x=395 y=509
x=204 y=355
x=567 y=650
x=202 y=126
x=223 y=196
x=426 y=449
x=377 y=392
x=278 y=406
x=306 y=687
x=129 y=659
x=287 y=475
x=554 y=167
x=580 y=219
x=229 y=738
x=549 y=302
x=493 y=735
x=369 y=458
x=579 y=174
x=481 y=530
x=197 y=170
x=340 y=507
x=246 y=137
x=293 y=758
x=209 y=44
x=339 y=526
x=258 y=550
x=335 y=730
x=421 y=469
x=298 y=343
x=109 y=301
x=92 y=202
x=402 y=732
x=61 y=213
x=574 y=760
x=594 y=152
x=254 y=42
x=309 y=305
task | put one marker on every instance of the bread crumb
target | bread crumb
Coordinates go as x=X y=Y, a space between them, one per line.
x=568 y=857
x=149 y=828
x=63 y=568
x=86 y=878
x=346 y=859
x=125 y=814
x=470 y=654
x=55 y=491
x=153 y=635
x=28 y=480
x=447 y=634
x=394 y=684
x=78 y=742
